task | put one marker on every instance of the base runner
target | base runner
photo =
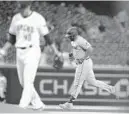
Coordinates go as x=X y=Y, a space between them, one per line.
x=81 y=50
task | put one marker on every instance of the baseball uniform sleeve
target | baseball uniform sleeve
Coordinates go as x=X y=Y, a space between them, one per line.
x=12 y=27
x=84 y=44
x=43 y=29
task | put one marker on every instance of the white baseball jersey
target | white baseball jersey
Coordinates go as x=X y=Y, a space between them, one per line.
x=80 y=45
x=29 y=29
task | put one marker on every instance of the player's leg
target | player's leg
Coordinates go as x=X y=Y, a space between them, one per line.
x=2 y=95
x=29 y=92
x=92 y=80
x=36 y=101
x=77 y=85
x=20 y=70
x=30 y=69
x=78 y=81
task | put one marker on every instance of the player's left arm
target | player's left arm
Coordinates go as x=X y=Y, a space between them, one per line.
x=44 y=31
x=51 y=44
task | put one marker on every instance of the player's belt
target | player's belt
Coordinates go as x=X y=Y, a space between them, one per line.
x=24 y=47
x=80 y=61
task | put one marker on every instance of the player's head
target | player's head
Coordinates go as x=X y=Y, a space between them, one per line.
x=71 y=33
x=24 y=6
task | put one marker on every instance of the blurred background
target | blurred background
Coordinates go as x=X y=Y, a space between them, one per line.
x=105 y=24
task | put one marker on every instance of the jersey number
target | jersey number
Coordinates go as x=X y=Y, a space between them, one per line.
x=27 y=37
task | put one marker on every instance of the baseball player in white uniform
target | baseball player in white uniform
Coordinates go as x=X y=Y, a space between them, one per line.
x=25 y=31
x=81 y=50
x=3 y=87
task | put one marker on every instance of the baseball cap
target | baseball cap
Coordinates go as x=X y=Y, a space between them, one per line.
x=24 y=4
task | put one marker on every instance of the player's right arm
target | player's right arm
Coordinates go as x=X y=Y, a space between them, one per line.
x=11 y=39
x=8 y=44
x=86 y=46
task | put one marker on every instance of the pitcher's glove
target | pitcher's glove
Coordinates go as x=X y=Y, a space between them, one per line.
x=58 y=62
x=71 y=57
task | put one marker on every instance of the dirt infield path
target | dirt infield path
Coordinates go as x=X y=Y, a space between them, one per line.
x=50 y=109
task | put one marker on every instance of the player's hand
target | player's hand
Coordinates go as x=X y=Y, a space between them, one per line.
x=71 y=57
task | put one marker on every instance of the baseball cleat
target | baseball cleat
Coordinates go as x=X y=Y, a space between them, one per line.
x=115 y=92
x=23 y=107
x=40 y=108
x=66 y=106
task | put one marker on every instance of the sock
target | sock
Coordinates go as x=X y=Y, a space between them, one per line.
x=71 y=99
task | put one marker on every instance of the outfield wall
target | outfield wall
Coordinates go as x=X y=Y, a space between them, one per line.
x=54 y=86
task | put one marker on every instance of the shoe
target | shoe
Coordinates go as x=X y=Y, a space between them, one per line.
x=30 y=107
x=40 y=108
x=66 y=106
x=21 y=106
x=115 y=92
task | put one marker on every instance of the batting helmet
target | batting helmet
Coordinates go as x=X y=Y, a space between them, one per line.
x=71 y=33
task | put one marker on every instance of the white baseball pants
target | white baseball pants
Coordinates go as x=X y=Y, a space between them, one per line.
x=84 y=72
x=27 y=64
x=2 y=94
